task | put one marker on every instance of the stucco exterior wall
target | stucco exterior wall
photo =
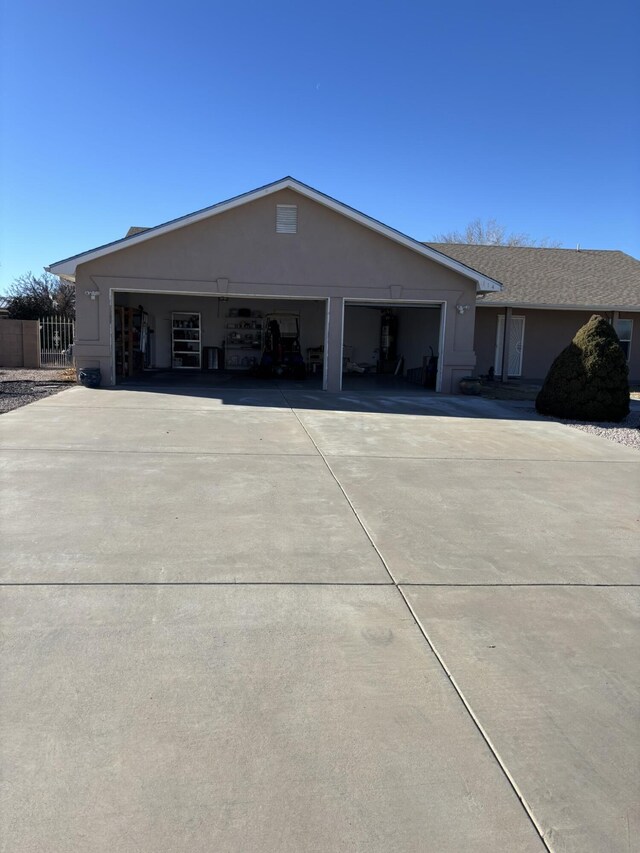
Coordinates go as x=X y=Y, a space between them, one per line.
x=546 y=334
x=239 y=253
x=19 y=343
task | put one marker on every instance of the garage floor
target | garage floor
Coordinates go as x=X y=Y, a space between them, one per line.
x=281 y=620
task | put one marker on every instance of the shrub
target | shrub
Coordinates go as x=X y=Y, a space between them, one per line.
x=588 y=381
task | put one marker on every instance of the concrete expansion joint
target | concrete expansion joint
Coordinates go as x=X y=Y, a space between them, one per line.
x=519 y=584
x=510 y=780
x=370 y=584
x=158 y=451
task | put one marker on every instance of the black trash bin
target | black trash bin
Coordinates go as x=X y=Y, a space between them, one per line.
x=90 y=377
x=213 y=358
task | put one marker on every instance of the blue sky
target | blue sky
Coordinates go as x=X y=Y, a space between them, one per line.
x=424 y=115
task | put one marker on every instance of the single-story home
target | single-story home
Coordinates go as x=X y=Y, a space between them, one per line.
x=547 y=295
x=285 y=263
x=287 y=277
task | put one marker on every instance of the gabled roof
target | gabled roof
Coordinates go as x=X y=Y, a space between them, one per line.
x=587 y=279
x=67 y=268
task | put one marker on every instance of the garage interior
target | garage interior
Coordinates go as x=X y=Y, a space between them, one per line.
x=396 y=340
x=180 y=337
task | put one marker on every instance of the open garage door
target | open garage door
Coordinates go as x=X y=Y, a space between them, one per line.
x=182 y=338
x=394 y=339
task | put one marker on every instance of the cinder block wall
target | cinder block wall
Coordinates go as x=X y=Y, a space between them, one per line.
x=19 y=343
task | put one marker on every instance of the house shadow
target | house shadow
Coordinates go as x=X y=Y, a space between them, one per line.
x=371 y=394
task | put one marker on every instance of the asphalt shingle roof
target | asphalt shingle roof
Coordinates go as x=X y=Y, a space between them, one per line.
x=588 y=278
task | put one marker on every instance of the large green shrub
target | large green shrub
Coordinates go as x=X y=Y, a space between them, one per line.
x=588 y=381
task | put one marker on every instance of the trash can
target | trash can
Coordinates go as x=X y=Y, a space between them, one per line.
x=90 y=377
x=212 y=357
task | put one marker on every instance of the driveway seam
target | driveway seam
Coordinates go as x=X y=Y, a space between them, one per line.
x=514 y=460
x=373 y=584
x=522 y=584
x=159 y=451
x=510 y=780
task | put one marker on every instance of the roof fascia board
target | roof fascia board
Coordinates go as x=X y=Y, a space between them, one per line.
x=66 y=268
x=550 y=306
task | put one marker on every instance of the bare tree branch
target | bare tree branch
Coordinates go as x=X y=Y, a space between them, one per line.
x=31 y=297
x=492 y=233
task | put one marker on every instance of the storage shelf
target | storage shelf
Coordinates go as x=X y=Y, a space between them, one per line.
x=243 y=346
x=186 y=336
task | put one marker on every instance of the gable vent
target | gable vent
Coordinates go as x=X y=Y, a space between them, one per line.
x=286 y=218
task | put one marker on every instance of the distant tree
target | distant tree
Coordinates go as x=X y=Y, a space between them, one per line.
x=492 y=233
x=30 y=297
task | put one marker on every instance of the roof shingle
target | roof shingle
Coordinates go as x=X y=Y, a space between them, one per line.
x=563 y=278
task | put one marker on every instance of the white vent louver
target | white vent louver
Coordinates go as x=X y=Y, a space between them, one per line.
x=286 y=218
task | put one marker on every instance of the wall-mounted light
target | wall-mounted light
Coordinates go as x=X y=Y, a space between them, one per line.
x=462 y=308
x=92 y=293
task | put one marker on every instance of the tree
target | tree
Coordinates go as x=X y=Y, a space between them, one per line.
x=31 y=297
x=492 y=233
x=588 y=381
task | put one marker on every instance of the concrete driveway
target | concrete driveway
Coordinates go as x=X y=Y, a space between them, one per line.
x=270 y=620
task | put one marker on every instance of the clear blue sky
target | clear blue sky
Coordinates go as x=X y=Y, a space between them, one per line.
x=423 y=115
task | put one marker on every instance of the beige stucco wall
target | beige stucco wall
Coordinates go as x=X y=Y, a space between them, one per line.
x=19 y=343
x=239 y=253
x=546 y=333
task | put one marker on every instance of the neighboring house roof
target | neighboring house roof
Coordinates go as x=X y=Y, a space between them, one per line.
x=135 y=229
x=67 y=268
x=554 y=278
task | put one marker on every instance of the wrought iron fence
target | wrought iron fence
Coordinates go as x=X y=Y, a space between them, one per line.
x=56 y=341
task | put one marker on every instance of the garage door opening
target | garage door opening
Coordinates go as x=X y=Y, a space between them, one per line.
x=192 y=338
x=396 y=341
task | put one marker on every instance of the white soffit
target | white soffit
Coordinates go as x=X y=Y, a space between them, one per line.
x=67 y=268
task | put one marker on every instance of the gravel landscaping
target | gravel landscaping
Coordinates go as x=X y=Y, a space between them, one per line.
x=626 y=432
x=20 y=386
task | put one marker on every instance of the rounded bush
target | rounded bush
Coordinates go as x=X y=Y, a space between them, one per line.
x=589 y=380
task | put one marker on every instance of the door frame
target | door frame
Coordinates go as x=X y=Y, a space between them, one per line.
x=500 y=342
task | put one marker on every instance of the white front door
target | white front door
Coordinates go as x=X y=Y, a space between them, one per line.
x=516 y=341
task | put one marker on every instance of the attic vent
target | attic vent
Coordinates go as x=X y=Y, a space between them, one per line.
x=286 y=219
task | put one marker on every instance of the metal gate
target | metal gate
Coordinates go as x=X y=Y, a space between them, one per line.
x=56 y=341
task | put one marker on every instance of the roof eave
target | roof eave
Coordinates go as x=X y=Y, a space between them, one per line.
x=506 y=303
x=66 y=268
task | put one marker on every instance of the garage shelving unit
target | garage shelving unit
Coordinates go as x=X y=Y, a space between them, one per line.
x=186 y=342
x=243 y=340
